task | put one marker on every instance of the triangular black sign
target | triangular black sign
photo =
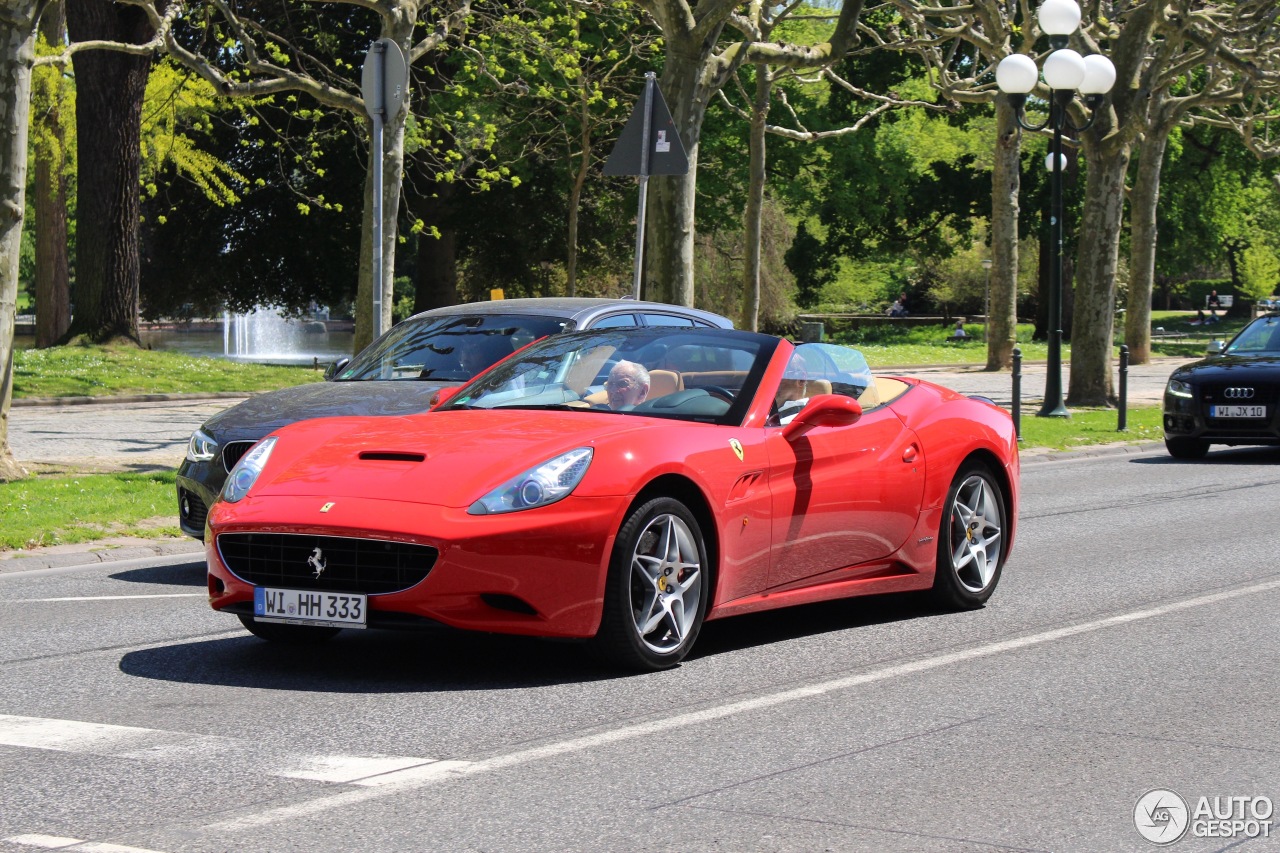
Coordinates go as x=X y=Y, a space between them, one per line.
x=666 y=152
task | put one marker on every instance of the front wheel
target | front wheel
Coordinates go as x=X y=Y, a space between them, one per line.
x=276 y=632
x=1180 y=447
x=656 y=592
x=971 y=541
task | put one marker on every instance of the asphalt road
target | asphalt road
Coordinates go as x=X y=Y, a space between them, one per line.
x=1132 y=645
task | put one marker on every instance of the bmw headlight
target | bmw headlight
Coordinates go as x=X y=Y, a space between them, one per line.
x=245 y=474
x=201 y=447
x=545 y=484
x=1178 y=388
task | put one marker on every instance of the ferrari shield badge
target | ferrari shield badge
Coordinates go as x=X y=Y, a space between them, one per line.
x=737 y=448
x=327 y=507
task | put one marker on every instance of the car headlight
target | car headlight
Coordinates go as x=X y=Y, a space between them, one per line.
x=1178 y=388
x=201 y=447
x=245 y=474
x=545 y=484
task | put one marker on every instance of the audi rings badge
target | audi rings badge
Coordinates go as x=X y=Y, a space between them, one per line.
x=1238 y=393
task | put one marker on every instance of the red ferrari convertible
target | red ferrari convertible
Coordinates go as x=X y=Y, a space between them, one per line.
x=621 y=486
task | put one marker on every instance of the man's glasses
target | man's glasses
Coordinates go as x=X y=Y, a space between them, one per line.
x=622 y=383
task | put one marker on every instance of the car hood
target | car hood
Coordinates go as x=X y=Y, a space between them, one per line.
x=445 y=459
x=1232 y=368
x=264 y=413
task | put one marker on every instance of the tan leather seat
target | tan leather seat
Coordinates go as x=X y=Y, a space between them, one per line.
x=664 y=382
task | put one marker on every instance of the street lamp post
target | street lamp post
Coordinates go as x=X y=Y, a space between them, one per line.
x=1065 y=73
x=986 y=302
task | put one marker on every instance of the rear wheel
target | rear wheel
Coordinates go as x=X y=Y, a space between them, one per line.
x=296 y=634
x=1180 y=447
x=971 y=540
x=656 y=592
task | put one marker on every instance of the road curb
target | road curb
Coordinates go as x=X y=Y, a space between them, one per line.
x=132 y=398
x=101 y=555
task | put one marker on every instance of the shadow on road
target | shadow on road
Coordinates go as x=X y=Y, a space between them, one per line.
x=186 y=574
x=403 y=662
x=1220 y=455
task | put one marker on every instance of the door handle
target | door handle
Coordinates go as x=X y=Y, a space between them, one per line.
x=909 y=455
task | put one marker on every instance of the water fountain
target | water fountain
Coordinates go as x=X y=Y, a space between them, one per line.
x=264 y=335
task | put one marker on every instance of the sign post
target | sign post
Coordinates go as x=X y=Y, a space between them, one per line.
x=383 y=81
x=649 y=145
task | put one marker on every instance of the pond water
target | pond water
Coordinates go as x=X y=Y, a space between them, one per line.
x=297 y=344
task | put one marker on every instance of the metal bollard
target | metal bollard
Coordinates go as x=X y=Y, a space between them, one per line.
x=1017 y=392
x=1122 y=424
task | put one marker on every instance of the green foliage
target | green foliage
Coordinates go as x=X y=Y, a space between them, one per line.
x=1091 y=427
x=97 y=371
x=1259 y=271
x=63 y=510
x=178 y=106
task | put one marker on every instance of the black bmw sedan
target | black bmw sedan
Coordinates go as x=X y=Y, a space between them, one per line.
x=400 y=372
x=1231 y=397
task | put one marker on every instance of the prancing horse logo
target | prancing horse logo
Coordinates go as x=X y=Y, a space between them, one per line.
x=317 y=563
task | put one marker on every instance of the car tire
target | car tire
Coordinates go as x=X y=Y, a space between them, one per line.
x=1186 y=448
x=656 y=592
x=972 y=545
x=275 y=632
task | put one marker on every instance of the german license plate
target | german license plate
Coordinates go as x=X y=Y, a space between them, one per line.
x=1257 y=412
x=304 y=607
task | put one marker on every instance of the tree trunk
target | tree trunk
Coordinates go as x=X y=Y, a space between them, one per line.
x=1143 y=200
x=670 y=230
x=1093 y=326
x=755 y=199
x=1006 y=179
x=110 y=87
x=17 y=52
x=53 y=283
x=579 y=176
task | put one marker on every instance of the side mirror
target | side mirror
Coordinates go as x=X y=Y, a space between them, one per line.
x=823 y=410
x=1216 y=348
x=333 y=369
x=443 y=396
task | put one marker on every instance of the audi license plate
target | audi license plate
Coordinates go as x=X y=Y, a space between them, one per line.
x=1257 y=412
x=302 y=607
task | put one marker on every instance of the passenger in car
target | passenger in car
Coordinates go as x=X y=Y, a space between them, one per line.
x=627 y=385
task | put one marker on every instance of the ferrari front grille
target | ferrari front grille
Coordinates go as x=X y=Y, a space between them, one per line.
x=333 y=563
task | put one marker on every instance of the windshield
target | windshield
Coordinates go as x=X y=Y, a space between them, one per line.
x=1260 y=336
x=450 y=348
x=689 y=374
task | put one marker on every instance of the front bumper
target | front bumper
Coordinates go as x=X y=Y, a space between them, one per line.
x=541 y=572
x=198 y=486
x=1188 y=417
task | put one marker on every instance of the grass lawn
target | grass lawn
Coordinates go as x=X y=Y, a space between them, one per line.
x=1088 y=427
x=64 y=510
x=96 y=371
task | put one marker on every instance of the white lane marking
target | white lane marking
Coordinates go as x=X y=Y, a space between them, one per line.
x=48 y=842
x=679 y=721
x=55 y=842
x=349 y=768
x=162 y=746
x=108 y=597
